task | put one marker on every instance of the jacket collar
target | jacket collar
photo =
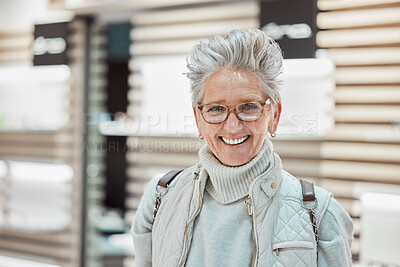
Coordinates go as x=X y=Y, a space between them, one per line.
x=271 y=180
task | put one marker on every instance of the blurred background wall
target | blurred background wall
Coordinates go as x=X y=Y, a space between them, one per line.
x=94 y=104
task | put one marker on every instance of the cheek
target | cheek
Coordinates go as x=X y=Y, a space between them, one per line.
x=259 y=127
x=209 y=130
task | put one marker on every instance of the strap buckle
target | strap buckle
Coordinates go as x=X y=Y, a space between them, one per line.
x=308 y=206
x=308 y=192
x=163 y=182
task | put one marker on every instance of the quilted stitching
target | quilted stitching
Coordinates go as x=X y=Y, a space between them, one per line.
x=288 y=219
x=171 y=242
x=291 y=223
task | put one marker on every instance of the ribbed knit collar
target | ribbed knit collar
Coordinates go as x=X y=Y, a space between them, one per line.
x=229 y=184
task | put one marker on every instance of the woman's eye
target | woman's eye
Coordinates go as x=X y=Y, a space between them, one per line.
x=216 y=109
x=249 y=107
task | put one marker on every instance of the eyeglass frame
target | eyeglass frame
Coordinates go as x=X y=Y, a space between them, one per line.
x=262 y=103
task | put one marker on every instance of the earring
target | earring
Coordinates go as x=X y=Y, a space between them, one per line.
x=273 y=134
x=201 y=137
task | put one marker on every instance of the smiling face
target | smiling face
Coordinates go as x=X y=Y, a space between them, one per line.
x=235 y=142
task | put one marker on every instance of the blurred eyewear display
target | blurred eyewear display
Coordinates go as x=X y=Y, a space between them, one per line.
x=36 y=196
x=6 y=261
x=307 y=98
x=380 y=231
x=34 y=98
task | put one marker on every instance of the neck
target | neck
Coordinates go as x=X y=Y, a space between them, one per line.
x=229 y=184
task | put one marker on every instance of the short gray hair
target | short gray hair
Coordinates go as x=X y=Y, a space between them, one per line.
x=249 y=50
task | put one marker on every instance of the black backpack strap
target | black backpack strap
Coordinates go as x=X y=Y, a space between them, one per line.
x=164 y=182
x=308 y=192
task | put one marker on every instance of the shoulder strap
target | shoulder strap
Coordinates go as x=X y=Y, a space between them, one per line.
x=168 y=178
x=164 y=182
x=307 y=188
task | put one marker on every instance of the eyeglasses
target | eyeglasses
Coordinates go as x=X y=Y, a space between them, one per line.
x=217 y=113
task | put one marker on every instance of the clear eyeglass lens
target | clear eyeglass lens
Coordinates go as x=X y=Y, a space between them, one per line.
x=249 y=111
x=249 y=108
x=214 y=113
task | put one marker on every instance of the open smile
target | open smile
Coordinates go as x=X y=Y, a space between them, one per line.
x=234 y=141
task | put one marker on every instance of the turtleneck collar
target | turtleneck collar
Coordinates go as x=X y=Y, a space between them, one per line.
x=229 y=184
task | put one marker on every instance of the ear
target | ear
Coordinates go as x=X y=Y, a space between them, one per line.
x=198 y=124
x=275 y=119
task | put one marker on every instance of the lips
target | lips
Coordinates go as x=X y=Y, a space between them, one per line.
x=235 y=141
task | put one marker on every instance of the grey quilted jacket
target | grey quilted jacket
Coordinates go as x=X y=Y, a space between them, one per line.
x=286 y=240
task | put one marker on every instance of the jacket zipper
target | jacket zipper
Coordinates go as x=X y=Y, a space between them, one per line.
x=186 y=229
x=250 y=210
x=249 y=206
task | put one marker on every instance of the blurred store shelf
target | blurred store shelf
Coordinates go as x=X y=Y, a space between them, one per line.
x=7 y=261
x=40 y=144
x=362 y=151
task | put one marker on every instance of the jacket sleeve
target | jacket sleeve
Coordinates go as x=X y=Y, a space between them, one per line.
x=335 y=237
x=142 y=226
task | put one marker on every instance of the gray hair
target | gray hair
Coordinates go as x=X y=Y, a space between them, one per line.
x=249 y=50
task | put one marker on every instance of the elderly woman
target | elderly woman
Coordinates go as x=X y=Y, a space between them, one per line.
x=237 y=207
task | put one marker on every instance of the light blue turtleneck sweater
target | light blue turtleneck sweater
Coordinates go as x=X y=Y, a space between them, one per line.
x=222 y=232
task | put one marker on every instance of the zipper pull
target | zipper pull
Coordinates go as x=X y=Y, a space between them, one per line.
x=249 y=206
x=277 y=251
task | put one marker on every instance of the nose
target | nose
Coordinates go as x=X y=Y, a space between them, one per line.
x=232 y=123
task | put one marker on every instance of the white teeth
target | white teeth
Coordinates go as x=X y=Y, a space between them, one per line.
x=234 y=141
